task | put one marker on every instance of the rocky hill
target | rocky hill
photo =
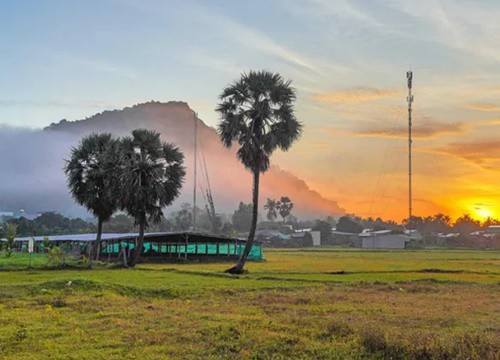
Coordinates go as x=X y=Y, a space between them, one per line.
x=230 y=182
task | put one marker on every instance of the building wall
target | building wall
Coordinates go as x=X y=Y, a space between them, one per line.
x=386 y=241
x=316 y=237
x=493 y=230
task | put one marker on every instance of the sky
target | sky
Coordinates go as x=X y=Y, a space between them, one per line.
x=347 y=59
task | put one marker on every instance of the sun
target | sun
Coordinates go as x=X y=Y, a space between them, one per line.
x=482 y=213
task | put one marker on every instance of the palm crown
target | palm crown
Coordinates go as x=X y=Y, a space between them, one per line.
x=91 y=174
x=271 y=206
x=152 y=175
x=257 y=113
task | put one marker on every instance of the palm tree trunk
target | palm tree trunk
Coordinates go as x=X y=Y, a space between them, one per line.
x=238 y=268
x=140 y=243
x=98 y=239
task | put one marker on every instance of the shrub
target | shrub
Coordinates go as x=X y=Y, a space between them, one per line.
x=55 y=256
x=11 y=231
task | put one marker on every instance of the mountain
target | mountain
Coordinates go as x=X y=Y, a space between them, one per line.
x=230 y=182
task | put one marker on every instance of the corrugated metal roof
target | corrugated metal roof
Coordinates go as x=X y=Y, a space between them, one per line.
x=116 y=236
x=79 y=237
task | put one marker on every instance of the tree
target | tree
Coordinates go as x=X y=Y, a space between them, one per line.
x=329 y=219
x=152 y=176
x=10 y=235
x=272 y=209
x=438 y=223
x=51 y=223
x=120 y=223
x=490 y=221
x=325 y=229
x=91 y=176
x=257 y=114
x=285 y=206
x=242 y=217
x=465 y=224
x=227 y=229
x=345 y=224
x=183 y=219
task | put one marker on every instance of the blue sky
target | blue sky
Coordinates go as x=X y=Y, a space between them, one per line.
x=71 y=59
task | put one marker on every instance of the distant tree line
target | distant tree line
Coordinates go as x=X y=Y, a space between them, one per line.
x=52 y=223
x=49 y=223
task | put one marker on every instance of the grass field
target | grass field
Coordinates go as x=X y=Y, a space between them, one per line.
x=309 y=303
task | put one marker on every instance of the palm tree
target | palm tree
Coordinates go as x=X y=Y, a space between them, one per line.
x=271 y=206
x=256 y=113
x=285 y=206
x=91 y=177
x=151 y=178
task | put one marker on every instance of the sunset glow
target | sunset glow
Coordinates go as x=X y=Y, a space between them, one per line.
x=482 y=213
x=347 y=61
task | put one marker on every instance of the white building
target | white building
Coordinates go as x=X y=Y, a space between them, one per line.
x=384 y=239
x=316 y=237
x=493 y=229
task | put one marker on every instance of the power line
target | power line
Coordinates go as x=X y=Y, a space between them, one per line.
x=195 y=156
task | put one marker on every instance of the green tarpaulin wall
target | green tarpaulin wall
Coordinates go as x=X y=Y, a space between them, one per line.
x=192 y=249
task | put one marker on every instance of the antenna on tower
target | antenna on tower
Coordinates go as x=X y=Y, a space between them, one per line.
x=409 y=99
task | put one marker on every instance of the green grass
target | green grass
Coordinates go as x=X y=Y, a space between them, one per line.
x=308 y=303
x=21 y=260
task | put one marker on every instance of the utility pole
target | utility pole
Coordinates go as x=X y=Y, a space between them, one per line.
x=409 y=99
x=195 y=165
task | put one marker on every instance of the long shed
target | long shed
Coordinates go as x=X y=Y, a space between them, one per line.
x=156 y=245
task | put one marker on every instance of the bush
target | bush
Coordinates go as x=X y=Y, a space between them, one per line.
x=56 y=256
x=10 y=231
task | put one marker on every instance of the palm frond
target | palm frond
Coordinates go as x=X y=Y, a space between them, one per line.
x=256 y=113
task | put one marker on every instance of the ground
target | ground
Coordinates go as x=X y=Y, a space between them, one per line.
x=312 y=303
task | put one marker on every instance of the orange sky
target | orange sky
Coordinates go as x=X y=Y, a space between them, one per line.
x=347 y=59
x=357 y=155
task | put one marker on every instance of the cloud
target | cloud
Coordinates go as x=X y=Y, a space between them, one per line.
x=466 y=27
x=55 y=104
x=34 y=180
x=304 y=65
x=419 y=130
x=96 y=64
x=344 y=12
x=484 y=107
x=253 y=38
x=361 y=93
x=480 y=153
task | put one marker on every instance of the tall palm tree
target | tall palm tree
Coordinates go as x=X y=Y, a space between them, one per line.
x=285 y=206
x=151 y=179
x=91 y=177
x=272 y=209
x=256 y=113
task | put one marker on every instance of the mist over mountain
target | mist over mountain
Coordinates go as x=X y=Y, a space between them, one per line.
x=32 y=161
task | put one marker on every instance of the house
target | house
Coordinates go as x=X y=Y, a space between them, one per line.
x=414 y=235
x=383 y=239
x=344 y=238
x=487 y=238
x=493 y=229
x=273 y=238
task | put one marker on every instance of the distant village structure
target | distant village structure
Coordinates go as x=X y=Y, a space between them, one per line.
x=383 y=239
